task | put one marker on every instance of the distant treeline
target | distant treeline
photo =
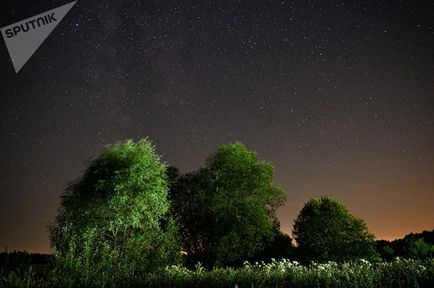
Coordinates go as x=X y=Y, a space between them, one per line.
x=23 y=259
x=413 y=245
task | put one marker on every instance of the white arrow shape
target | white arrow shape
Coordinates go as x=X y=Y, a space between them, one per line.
x=24 y=37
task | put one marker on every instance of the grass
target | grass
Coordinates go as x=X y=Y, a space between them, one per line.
x=284 y=273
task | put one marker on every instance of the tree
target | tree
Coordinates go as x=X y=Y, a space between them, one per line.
x=325 y=230
x=226 y=210
x=190 y=196
x=409 y=246
x=385 y=250
x=418 y=248
x=279 y=248
x=113 y=223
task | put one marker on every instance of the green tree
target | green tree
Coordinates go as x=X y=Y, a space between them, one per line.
x=112 y=223
x=387 y=253
x=418 y=248
x=325 y=230
x=226 y=210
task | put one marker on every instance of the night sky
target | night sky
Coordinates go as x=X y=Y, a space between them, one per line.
x=339 y=95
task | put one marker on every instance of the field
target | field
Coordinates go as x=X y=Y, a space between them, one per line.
x=284 y=273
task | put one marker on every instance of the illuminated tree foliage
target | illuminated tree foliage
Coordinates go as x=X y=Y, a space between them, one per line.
x=226 y=210
x=112 y=224
x=325 y=230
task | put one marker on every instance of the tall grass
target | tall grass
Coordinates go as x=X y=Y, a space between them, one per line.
x=284 y=273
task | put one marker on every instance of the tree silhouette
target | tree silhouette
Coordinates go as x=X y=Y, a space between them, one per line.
x=325 y=230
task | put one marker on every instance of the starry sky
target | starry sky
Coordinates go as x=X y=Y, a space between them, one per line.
x=339 y=95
